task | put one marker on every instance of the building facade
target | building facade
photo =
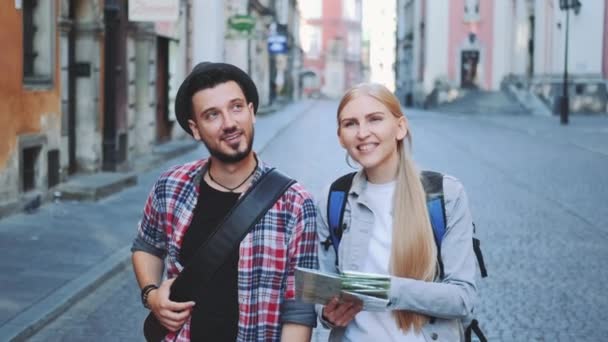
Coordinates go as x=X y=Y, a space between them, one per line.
x=85 y=90
x=331 y=37
x=90 y=85
x=30 y=111
x=443 y=46
x=240 y=32
x=379 y=22
x=534 y=61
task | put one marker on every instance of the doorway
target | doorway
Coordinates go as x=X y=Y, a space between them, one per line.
x=163 y=125
x=468 y=68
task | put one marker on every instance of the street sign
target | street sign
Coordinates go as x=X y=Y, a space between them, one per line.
x=277 y=44
x=241 y=22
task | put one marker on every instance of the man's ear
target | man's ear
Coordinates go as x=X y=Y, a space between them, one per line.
x=250 y=105
x=194 y=129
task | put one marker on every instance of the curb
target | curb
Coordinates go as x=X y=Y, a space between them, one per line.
x=161 y=154
x=106 y=185
x=28 y=322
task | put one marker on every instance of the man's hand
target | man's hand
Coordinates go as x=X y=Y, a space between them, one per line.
x=172 y=315
x=340 y=313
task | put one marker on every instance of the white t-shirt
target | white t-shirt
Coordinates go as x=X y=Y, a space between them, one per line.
x=379 y=326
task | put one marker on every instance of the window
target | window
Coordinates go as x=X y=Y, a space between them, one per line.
x=38 y=42
x=350 y=10
x=471 y=10
x=311 y=40
x=353 y=48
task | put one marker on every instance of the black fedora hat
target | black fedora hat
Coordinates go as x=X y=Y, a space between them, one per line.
x=207 y=75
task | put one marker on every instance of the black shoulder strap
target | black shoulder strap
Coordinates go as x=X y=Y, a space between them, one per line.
x=242 y=217
x=474 y=328
x=479 y=255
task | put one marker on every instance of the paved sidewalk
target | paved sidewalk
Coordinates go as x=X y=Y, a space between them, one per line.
x=56 y=255
x=482 y=102
x=587 y=132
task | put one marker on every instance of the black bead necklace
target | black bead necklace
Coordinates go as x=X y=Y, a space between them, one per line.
x=236 y=187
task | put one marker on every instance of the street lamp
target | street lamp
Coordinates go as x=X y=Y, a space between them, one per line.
x=566 y=5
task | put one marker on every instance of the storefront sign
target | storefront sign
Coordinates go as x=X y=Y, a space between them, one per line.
x=153 y=10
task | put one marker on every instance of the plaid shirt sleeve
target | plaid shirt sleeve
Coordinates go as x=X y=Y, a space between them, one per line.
x=303 y=243
x=151 y=226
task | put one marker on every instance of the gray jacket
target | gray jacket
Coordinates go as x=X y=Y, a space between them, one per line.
x=450 y=300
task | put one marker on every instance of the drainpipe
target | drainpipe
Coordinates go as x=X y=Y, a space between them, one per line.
x=111 y=12
x=72 y=165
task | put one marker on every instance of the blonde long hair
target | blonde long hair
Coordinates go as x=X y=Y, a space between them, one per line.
x=413 y=249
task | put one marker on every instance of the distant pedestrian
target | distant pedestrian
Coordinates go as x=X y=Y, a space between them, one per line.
x=251 y=296
x=386 y=230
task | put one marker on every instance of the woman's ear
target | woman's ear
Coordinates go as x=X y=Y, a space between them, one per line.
x=402 y=128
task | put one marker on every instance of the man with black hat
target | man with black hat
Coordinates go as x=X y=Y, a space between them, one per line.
x=251 y=296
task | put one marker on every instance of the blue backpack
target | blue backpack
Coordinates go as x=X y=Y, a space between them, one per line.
x=433 y=187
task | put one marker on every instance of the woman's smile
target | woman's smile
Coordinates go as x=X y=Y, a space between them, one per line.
x=367 y=147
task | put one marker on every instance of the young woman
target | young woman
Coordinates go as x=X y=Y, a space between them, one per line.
x=387 y=231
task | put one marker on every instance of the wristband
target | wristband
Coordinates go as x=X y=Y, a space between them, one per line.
x=145 y=292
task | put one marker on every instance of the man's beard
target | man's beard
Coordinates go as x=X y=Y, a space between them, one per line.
x=231 y=158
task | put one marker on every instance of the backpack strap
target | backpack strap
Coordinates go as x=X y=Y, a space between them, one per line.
x=336 y=202
x=338 y=192
x=477 y=250
x=433 y=187
x=474 y=328
x=432 y=183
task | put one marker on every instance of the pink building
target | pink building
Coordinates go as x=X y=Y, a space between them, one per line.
x=514 y=45
x=446 y=44
x=470 y=43
x=331 y=39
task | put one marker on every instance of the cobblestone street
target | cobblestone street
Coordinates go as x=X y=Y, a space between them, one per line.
x=536 y=192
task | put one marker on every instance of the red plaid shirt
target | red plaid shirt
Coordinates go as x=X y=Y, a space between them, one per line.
x=283 y=239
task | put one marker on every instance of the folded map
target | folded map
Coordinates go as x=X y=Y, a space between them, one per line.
x=371 y=290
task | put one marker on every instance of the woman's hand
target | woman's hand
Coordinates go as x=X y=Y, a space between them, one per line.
x=340 y=313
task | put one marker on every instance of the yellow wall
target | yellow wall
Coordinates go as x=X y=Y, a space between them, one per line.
x=20 y=108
